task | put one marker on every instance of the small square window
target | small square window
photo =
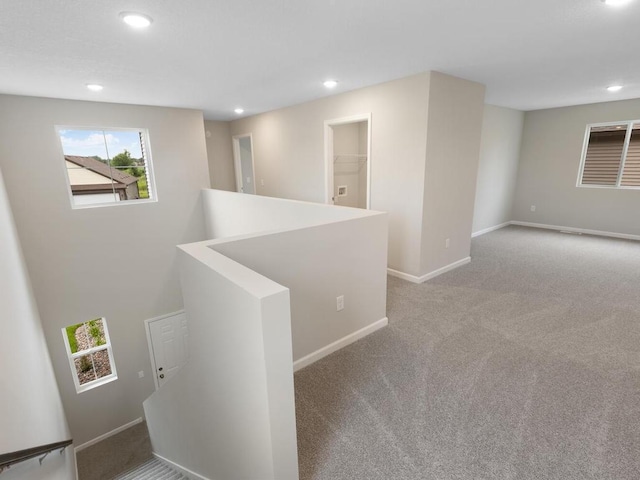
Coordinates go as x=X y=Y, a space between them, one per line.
x=90 y=356
x=107 y=166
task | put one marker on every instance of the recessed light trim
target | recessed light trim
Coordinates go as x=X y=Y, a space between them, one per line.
x=136 y=20
x=614 y=88
x=94 y=87
x=239 y=110
x=330 y=83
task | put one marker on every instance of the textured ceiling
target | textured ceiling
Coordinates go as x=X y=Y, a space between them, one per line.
x=215 y=55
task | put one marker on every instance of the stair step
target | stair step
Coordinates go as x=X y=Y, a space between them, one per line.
x=154 y=469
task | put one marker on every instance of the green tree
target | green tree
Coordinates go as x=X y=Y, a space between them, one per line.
x=123 y=160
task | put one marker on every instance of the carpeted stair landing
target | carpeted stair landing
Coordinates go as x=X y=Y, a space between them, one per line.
x=154 y=469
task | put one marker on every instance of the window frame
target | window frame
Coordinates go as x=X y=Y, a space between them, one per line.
x=623 y=159
x=151 y=183
x=72 y=357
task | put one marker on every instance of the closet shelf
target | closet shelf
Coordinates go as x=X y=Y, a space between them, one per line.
x=353 y=160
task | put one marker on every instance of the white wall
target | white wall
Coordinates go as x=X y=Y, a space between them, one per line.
x=317 y=251
x=498 y=166
x=548 y=172
x=220 y=155
x=363 y=138
x=54 y=467
x=31 y=412
x=229 y=413
x=228 y=214
x=119 y=261
x=346 y=140
x=453 y=150
x=425 y=145
x=289 y=155
x=246 y=165
x=318 y=264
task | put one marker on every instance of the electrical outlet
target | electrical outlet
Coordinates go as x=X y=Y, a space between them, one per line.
x=340 y=303
x=533 y=208
x=447 y=242
x=262 y=182
x=141 y=374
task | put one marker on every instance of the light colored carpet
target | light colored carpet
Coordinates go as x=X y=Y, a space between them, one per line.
x=115 y=455
x=524 y=364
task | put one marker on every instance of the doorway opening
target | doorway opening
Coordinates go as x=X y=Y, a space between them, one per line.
x=243 y=161
x=348 y=161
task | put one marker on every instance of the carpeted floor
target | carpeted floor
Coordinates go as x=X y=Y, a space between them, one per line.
x=524 y=364
x=115 y=455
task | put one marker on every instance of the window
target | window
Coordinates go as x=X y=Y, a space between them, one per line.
x=611 y=156
x=107 y=166
x=90 y=355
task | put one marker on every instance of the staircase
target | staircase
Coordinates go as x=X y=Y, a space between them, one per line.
x=154 y=469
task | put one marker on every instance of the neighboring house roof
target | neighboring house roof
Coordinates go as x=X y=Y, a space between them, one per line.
x=100 y=168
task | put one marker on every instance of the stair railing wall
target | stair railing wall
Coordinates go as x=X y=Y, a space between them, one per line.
x=229 y=413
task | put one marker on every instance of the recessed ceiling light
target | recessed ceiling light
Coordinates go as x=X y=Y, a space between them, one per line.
x=136 y=20
x=614 y=88
x=330 y=84
x=616 y=3
x=239 y=110
x=94 y=87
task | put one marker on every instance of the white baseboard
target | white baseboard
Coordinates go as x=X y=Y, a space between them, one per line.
x=404 y=276
x=179 y=468
x=338 y=344
x=600 y=233
x=430 y=275
x=490 y=229
x=107 y=435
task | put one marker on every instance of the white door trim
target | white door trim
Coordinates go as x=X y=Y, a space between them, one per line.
x=147 y=329
x=237 y=161
x=328 y=153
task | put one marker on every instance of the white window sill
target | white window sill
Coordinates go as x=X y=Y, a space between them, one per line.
x=96 y=383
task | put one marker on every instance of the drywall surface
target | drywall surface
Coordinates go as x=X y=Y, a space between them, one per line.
x=453 y=150
x=289 y=155
x=220 y=155
x=548 y=173
x=31 y=412
x=318 y=251
x=229 y=413
x=318 y=264
x=246 y=165
x=498 y=166
x=55 y=467
x=118 y=262
x=363 y=139
x=229 y=214
x=346 y=138
x=347 y=168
